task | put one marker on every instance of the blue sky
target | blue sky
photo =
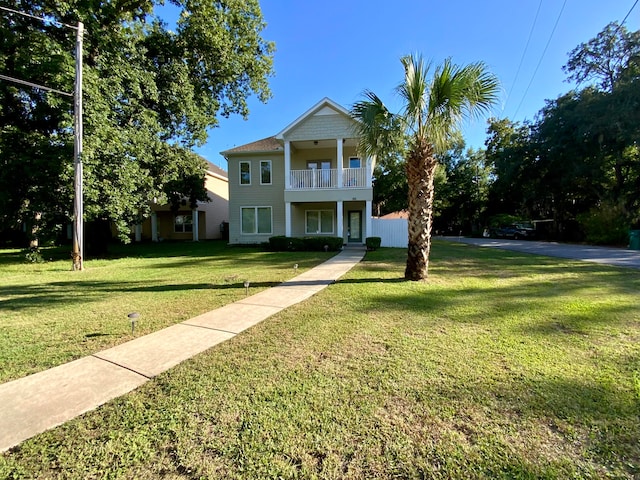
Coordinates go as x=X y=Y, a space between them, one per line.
x=337 y=49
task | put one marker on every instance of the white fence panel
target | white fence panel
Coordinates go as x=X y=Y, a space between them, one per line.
x=393 y=232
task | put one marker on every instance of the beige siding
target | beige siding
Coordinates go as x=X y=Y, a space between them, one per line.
x=321 y=127
x=217 y=210
x=256 y=195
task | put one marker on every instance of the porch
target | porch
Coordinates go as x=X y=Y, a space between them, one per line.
x=349 y=220
x=314 y=179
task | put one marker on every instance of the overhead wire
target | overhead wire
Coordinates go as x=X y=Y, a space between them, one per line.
x=526 y=47
x=524 y=95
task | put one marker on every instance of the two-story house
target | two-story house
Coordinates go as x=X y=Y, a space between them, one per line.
x=306 y=180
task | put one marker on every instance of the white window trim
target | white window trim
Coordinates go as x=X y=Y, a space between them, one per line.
x=270 y=172
x=183 y=224
x=333 y=221
x=255 y=209
x=240 y=172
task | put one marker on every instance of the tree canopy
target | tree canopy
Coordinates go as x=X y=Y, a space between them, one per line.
x=150 y=95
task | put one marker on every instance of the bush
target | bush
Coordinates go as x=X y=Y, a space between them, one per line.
x=310 y=244
x=373 y=243
x=605 y=225
x=278 y=243
x=33 y=255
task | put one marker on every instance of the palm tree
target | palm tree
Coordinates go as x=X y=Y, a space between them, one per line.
x=432 y=112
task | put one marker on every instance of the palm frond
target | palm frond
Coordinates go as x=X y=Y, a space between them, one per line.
x=377 y=128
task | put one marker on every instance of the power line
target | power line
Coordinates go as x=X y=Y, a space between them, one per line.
x=629 y=13
x=523 y=55
x=34 y=85
x=541 y=57
x=44 y=20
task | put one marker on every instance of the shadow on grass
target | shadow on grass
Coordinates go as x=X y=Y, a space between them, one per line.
x=54 y=293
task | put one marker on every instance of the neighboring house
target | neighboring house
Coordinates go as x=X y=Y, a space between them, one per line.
x=207 y=222
x=306 y=180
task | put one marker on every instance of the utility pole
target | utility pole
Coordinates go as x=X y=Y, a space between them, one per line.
x=78 y=227
x=77 y=252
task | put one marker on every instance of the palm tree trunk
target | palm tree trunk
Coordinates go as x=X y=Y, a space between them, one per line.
x=420 y=167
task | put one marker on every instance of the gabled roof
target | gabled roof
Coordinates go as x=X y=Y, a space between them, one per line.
x=269 y=144
x=216 y=171
x=325 y=102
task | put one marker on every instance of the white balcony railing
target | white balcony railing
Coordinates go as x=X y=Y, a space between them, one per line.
x=354 y=177
x=318 y=179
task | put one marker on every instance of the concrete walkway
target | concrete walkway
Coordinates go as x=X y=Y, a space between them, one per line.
x=38 y=402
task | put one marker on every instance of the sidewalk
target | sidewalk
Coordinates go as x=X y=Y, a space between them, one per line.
x=38 y=402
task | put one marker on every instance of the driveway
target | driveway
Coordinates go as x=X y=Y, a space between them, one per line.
x=619 y=257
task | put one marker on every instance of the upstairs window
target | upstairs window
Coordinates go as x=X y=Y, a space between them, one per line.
x=265 y=172
x=245 y=173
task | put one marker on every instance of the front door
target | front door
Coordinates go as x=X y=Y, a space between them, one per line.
x=355 y=226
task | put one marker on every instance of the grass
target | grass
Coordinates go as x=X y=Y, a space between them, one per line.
x=50 y=315
x=503 y=365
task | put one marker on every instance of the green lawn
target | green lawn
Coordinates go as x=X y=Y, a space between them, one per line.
x=503 y=365
x=50 y=315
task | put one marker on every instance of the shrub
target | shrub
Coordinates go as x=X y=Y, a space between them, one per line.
x=281 y=243
x=278 y=243
x=373 y=243
x=33 y=255
x=605 y=225
x=317 y=244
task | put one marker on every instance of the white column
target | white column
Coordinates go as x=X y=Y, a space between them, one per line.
x=194 y=216
x=154 y=227
x=340 y=162
x=287 y=218
x=287 y=165
x=138 y=232
x=367 y=217
x=340 y=220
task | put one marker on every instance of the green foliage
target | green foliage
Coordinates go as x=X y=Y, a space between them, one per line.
x=606 y=225
x=150 y=94
x=612 y=57
x=373 y=243
x=33 y=255
x=280 y=243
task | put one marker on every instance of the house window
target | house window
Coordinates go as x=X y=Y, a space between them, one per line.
x=319 y=221
x=245 y=173
x=256 y=220
x=354 y=162
x=183 y=224
x=265 y=172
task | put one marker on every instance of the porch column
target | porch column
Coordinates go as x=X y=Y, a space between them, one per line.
x=138 y=232
x=367 y=221
x=194 y=216
x=287 y=218
x=154 y=227
x=340 y=162
x=340 y=220
x=287 y=165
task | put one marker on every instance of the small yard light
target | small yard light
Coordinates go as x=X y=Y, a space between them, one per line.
x=133 y=318
x=246 y=287
x=295 y=268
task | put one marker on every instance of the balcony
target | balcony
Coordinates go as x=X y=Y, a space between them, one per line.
x=323 y=179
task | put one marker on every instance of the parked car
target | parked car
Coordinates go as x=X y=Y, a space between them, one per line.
x=516 y=231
